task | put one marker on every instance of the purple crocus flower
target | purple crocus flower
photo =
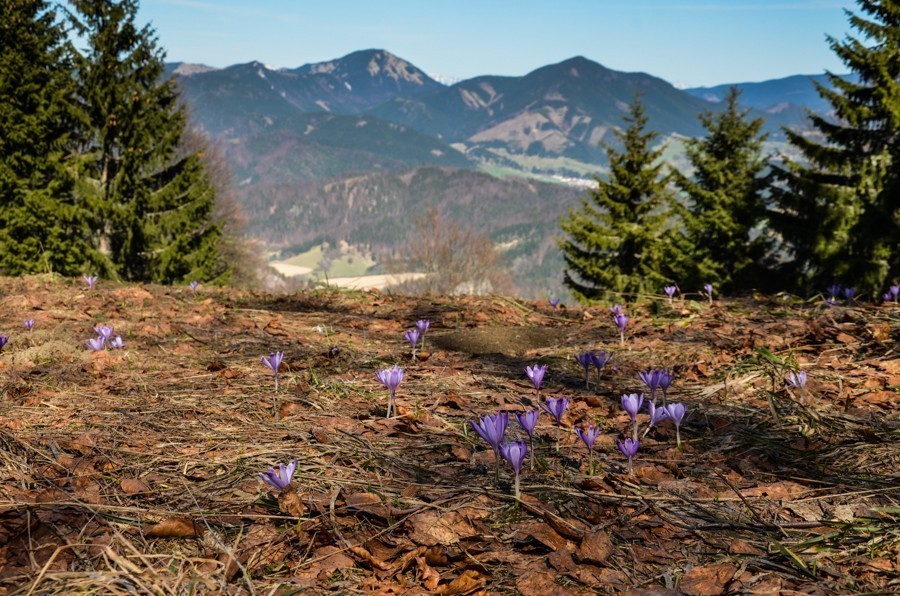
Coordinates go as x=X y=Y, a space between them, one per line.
x=631 y=403
x=676 y=413
x=629 y=449
x=830 y=301
x=91 y=280
x=657 y=415
x=554 y=302
x=834 y=290
x=616 y=309
x=29 y=324
x=390 y=378
x=528 y=421
x=281 y=478
x=665 y=380
x=491 y=428
x=589 y=436
x=586 y=359
x=556 y=407
x=536 y=375
x=670 y=292
x=412 y=336
x=117 y=342
x=514 y=452
x=888 y=297
x=3 y=340
x=194 y=285
x=273 y=362
x=104 y=331
x=422 y=325
x=621 y=320
x=895 y=291
x=849 y=293
x=95 y=343
x=650 y=378
x=797 y=380
x=600 y=359
x=709 y=292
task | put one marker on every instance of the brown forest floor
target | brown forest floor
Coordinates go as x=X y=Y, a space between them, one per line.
x=135 y=470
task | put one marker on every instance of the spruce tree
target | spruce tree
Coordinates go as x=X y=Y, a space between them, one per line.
x=725 y=202
x=614 y=243
x=839 y=212
x=43 y=227
x=157 y=206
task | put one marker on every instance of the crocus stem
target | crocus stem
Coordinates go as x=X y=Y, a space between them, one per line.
x=390 y=399
x=635 y=433
x=622 y=339
x=772 y=409
x=678 y=437
x=630 y=467
x=516 y=487
x=275 y=398
x=558 y=430
x=590 y=462
x=497 y=469
x=531 y=447
x=587 y=380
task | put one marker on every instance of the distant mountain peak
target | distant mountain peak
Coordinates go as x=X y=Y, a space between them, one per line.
x=186 y=69
x=575 y=67
x=379 y=64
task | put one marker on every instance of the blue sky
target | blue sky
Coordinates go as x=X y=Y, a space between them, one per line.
x=693 y=42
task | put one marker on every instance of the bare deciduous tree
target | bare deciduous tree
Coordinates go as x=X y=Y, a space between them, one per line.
x=455 y=260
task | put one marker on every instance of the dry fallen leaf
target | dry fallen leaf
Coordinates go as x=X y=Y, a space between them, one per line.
x=428 y=576
x=430 y=528
x=463 y=584
x=368 y=503
x=290 y=504
x=546 y=535
x=174 y=527
x=133 y=486
x=707 y=580
x=596 y=547
x=369 y=558
x=331 y=560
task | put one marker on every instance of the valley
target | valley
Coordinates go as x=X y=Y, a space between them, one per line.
x=349 y=150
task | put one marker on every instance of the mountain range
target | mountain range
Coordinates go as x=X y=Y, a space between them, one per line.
x=289 y=134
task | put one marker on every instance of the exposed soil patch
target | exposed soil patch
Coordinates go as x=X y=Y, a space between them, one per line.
x=511 y=341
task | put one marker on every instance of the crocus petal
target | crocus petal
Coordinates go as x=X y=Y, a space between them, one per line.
x=528 y=420
x=632 y=403
x=677 y=412
x=514 y=452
